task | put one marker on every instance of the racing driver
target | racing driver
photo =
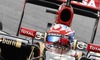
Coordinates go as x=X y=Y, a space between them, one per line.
x=58 y=43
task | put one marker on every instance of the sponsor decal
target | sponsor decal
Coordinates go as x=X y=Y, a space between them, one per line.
x=27 y=32
x=93 y=47
x=53 y=34
x=90 y=3
x=10 y=42
x=81 y=45
x=39 y=36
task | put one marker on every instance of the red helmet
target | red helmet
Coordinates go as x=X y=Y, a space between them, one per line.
x=59 y=34
x=60 y=29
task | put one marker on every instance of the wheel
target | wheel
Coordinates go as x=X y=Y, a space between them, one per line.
x=74 y=46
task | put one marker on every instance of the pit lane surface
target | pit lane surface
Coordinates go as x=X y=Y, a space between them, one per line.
x=36 y=18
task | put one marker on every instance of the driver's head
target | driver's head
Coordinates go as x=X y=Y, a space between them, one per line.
x=58 y=37
x=62 y=30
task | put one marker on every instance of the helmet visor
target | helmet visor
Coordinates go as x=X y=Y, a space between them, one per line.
x=52 y=38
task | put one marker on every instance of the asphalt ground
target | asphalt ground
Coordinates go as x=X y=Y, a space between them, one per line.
x=36 y=18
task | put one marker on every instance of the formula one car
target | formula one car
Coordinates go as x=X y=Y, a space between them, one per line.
x=85 y=51
x=23 y=50
x=65 y=14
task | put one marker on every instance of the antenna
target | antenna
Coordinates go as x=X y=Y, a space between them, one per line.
x=22 y=15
